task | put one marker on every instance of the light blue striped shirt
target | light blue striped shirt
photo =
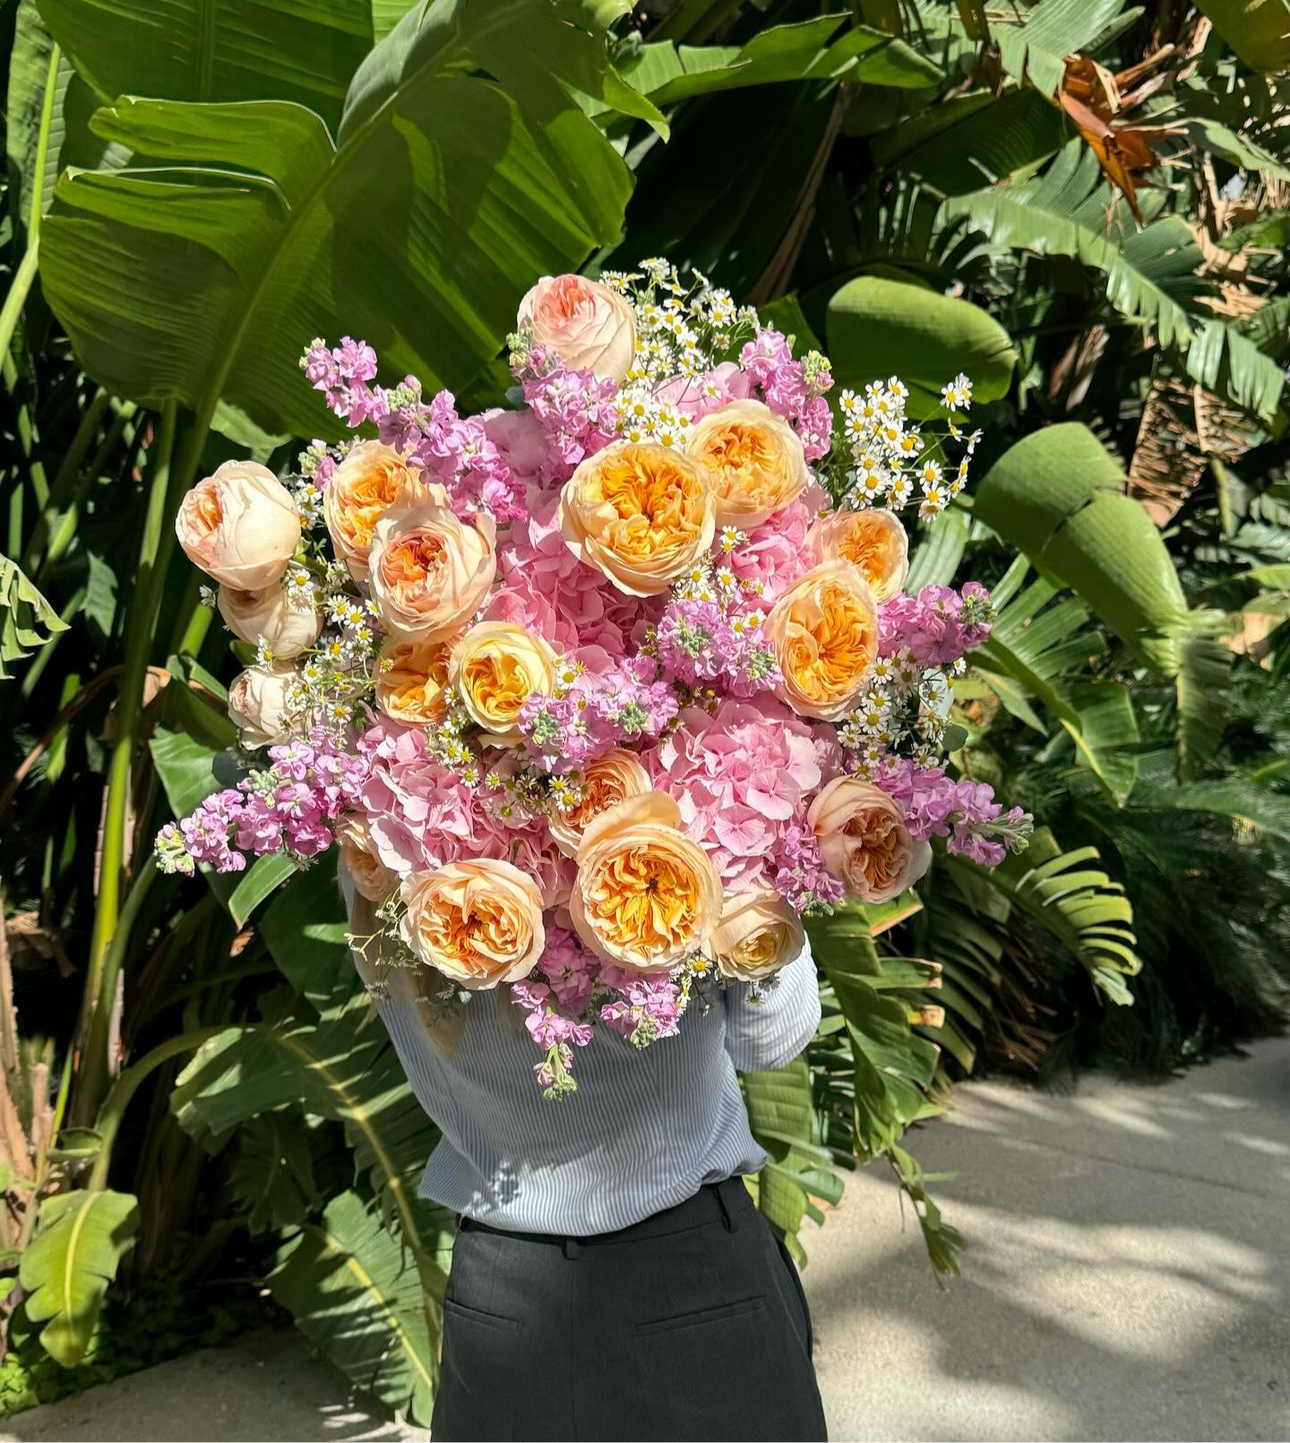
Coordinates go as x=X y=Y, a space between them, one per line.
x=643 y=1132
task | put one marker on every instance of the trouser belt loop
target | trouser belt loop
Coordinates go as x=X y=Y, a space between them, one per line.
x=727 y=1217
x=571 y=1249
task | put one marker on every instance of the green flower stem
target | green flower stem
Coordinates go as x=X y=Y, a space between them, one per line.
x=125 y=1087
x=154 y=552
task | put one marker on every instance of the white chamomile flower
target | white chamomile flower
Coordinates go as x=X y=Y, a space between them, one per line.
x=929 y=475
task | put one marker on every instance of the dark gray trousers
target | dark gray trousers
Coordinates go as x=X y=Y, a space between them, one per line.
x=689 y=1325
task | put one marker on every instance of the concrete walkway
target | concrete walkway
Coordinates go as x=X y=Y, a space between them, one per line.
x=1128 y=1278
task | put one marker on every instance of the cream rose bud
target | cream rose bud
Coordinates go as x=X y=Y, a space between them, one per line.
x=495 y=668
x=287 y=627
x=589 y=326
x=864 y=840
x=872 y=539
x=372 y=878
x=479 y=923
x=429 y=571
x=239 y=526
x=758 y=934
x=258 y=706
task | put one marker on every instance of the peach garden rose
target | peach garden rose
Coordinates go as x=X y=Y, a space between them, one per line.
x=754 y=460
x=864 y=840
x=429 y=571
x=646 y=896
x=239 y=526
x=873 y=539
x=368 y=482
x=372 y=878
x=589 y=326
x=642 y=514
x=410 y=679
x=606 y=780
x=824 y=631
x=495 y=668
x=478 y=922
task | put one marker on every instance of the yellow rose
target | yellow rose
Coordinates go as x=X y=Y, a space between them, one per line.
x=366 y=484
x=495 y=668
x=754 y=459
x=605 y=781
x=646 y=896
x=873 y=539
x=410 y=679
x=479 y=923
x=824 y=631
x=258 y=705
x=287 y=629
x=429 y=571
x=240 y=526
x=864 y=840
x=372 y=878
x=641 y=514
x=589 y=327
x=758 y=934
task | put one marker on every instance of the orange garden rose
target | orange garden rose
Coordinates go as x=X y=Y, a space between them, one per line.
x=754 y=460
x=368 y=482
x=239 y=526
x=429 y=571
x=410 y=679
x=589 y=327
x=646 y=896
x=479 y=923
x=641 y=514
x=287 y=629
x=372 y=878
x=495 y=668
x=871 y=538
x=824 y=631
x=612 y=778
x=758 y=934
x=257 y=704
x=864 y=840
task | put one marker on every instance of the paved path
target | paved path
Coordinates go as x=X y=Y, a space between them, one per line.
x=1128 y=1278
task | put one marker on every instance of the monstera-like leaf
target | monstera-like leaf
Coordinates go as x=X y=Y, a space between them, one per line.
x=463 y=167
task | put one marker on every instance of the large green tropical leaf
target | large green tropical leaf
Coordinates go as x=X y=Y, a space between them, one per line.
x=354 y=1293
x=781 y=1114
x=1052 y=30
x=1059 y=496
x=1077 y=904
x=69 y=1264
x=1068 y=211
x=1257 y=30
x=879 y=328
x=668 y=73
x=200 y=276
x=301 y=50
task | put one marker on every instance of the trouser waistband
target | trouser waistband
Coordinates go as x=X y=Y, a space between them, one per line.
x=725 y=1200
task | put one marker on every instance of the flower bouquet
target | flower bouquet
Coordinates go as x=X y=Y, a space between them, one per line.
x=598 y=694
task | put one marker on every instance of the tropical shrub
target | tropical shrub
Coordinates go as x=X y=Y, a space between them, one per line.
x=1082 y=205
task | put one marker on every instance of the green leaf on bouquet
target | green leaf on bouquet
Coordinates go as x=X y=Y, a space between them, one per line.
x=68 y=1266
x=463 y=167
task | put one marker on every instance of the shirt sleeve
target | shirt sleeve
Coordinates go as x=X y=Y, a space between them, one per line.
x=769 y=1033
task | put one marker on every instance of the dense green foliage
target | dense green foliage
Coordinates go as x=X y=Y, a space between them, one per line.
x=1084 y=205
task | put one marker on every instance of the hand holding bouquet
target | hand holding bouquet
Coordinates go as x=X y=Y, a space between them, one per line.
x=598 y=694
